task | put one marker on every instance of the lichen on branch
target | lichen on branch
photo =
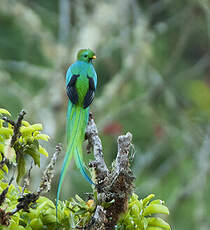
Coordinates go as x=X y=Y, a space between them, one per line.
x=113 y=186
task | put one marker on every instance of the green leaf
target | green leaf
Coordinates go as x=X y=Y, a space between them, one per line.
x=25 y=123
x=158 y=222
x=156 y=208
x=2 y=138
x=21 y=168
x=50 y=210
x=147 y=199
x=43 y=151
x=26 y=131
x=1 y=174
x=28 y=228
x=1 y=123
x=48 y=219
x=6 y=131
x=4 y=111
x=157 y=202
x=81 y=211
x=35 y=133
x=5 y=168
x=43 y=199
x=3 y=185
x=81 y=201
x=33 y=151
x=13 y=225
x=1 y=150
x=37 y=127
x=154 y=228
x=43 y=137
x=36 y=224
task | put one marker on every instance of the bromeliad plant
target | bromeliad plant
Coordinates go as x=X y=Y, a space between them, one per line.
x=139 y=214
x=22 y=209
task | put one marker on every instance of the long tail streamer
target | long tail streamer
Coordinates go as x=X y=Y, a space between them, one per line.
x=77 y=119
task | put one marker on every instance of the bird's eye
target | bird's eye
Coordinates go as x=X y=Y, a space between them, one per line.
x=85 y=55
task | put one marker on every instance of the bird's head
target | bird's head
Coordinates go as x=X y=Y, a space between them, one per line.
x=86 y=55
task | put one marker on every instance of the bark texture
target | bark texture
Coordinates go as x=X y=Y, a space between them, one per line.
x=113 y=186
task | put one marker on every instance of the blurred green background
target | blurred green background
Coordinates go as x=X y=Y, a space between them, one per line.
x=153 y=65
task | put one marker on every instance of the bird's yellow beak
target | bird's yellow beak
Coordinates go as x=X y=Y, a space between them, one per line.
x=94 y=57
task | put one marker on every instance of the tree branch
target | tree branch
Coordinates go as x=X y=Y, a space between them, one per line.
x=25 y=202
x=94 y=141
x=16 y=126
x=113 y=186
x=45 y=184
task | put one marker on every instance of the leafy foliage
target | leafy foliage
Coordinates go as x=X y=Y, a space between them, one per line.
x=76 y=212
x=72 y=213
x=27 y=143
x=139 y=214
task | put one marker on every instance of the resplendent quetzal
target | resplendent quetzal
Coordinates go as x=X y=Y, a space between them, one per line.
x=81 y=81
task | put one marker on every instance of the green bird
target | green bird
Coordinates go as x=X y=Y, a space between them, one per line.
x=81 y=82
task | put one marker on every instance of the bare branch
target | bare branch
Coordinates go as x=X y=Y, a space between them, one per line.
x=122 y=160
x=45 y=184
x=95 y=142
x=113 y=187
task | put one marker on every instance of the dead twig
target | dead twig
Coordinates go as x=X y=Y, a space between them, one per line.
x=45 y=184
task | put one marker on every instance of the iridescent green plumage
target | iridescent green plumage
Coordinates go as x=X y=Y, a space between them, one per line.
x=81 y=81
